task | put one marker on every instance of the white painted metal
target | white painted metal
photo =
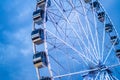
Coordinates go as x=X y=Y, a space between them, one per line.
x=91 y=59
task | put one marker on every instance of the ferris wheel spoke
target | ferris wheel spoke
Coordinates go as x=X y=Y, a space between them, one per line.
x=61 y=65
x=55 y=72
x=112 y=77
x=96 y=32
x=102 y=76
x=73 y=43
x=114 y=65
x=109 y=76
x=109 y=20
x=69 y=23
x=71 y=47
x=80 y=23
x=58 y=63
x=88 y=25
x=71 y=3
x=98 y=74
x=75 y=73
x=90 y=44
x=76 y=60
x=73 y=58
x=103 y=44
x=90 y=49
x=108 y=54
x=62 y=30
x=56 y=28
x=86 y=71
x=55 y=14
x=111 y=23
x=103 y=38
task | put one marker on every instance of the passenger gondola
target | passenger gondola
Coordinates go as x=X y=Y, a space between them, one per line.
x=38 y=36
x=114 y=40
x=101 y=16
x=40 y=59
x=38 y=16
x=118 y=53
x=87 y=1
x=41 y=3
x=95 y=5
x=108 y=27
x=45 y=78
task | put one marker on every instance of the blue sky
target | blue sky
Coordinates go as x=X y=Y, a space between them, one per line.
x=15 y=40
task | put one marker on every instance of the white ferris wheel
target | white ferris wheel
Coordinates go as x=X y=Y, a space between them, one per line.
x=74 y=40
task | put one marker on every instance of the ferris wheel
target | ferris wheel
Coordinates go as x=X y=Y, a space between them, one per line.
x=74 y=40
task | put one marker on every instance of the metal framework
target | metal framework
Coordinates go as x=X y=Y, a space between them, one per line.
x=80 y=40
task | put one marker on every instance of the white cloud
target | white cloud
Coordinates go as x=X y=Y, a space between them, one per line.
x=24 y=14
x=19 y=41
x=21 y=12
x=24 y=38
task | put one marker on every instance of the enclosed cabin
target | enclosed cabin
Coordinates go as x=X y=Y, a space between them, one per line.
x=114 y=40
x=101 y=16
x=108 y=27
x=95 y=5
x=40 y=59
x=45 y=78
x=37 y=36
x=38 y=16
x=41 y=3
x=87 y=1
x=118 y=53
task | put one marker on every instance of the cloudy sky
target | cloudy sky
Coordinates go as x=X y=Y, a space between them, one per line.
x=15 y=40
